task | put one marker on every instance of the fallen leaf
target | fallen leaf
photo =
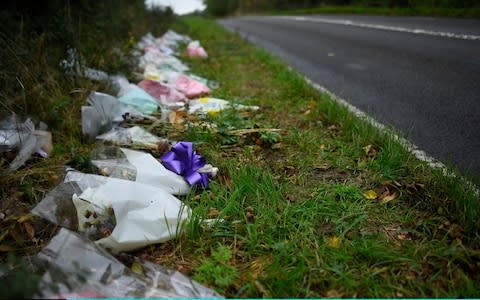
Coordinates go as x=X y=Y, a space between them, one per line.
x=312 y=103
x=387 y=192
x=334 y=241
x=183 y=269
x=162 y=147
x=290 y=170
x=250 y=209
x=290 y=197
x=385 y=198
x=25 y=218
x=370 y=195
x=213 y=213
x=52 y=177
x=256 y=268
x=224 y=179
x=176 y=117
x=333 y=128
x=29 y=229
x=455 y=231
x=137 y=268
x=370 y=151
x=334 y=294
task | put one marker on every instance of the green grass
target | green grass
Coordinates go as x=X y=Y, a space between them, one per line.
x=473 y=12
x=294 y=217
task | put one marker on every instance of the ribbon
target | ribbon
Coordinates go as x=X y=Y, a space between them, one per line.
x=182 y=160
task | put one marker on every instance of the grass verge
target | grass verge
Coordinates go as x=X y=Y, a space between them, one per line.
x=295 y=211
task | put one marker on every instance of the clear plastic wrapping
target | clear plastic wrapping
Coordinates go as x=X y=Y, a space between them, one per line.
x=76 y=267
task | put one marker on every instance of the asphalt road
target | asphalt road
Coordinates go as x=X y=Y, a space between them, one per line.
x=420 y=75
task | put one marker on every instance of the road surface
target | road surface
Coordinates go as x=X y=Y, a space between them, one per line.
x=420 y=75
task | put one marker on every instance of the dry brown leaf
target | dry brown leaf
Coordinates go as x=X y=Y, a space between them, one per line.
x=291 y=197
x=225 y=179
x=213 y=213
x=334 y=294
x=29 y=229
x=290 y=170
x=455 y=231
x=387 y=192
x=25 y=218
x=52 y=177
x=389 y=198
x=370 y=151
x=256 y=268
x=176 y=117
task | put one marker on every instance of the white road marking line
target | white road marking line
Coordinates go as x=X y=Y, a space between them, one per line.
x=408 y=146
x=384 y=27
x=419 y=154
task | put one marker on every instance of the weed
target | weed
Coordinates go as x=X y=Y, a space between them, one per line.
x=216 y=269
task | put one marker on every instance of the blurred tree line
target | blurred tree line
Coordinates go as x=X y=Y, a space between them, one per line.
x=76 y=22
x=227 y=7
x=35 y=36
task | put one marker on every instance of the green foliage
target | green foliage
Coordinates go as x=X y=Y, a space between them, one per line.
x=216 y=269
x=35 y=37
x=222 y=7
x=17 y=280
x=269 y=137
